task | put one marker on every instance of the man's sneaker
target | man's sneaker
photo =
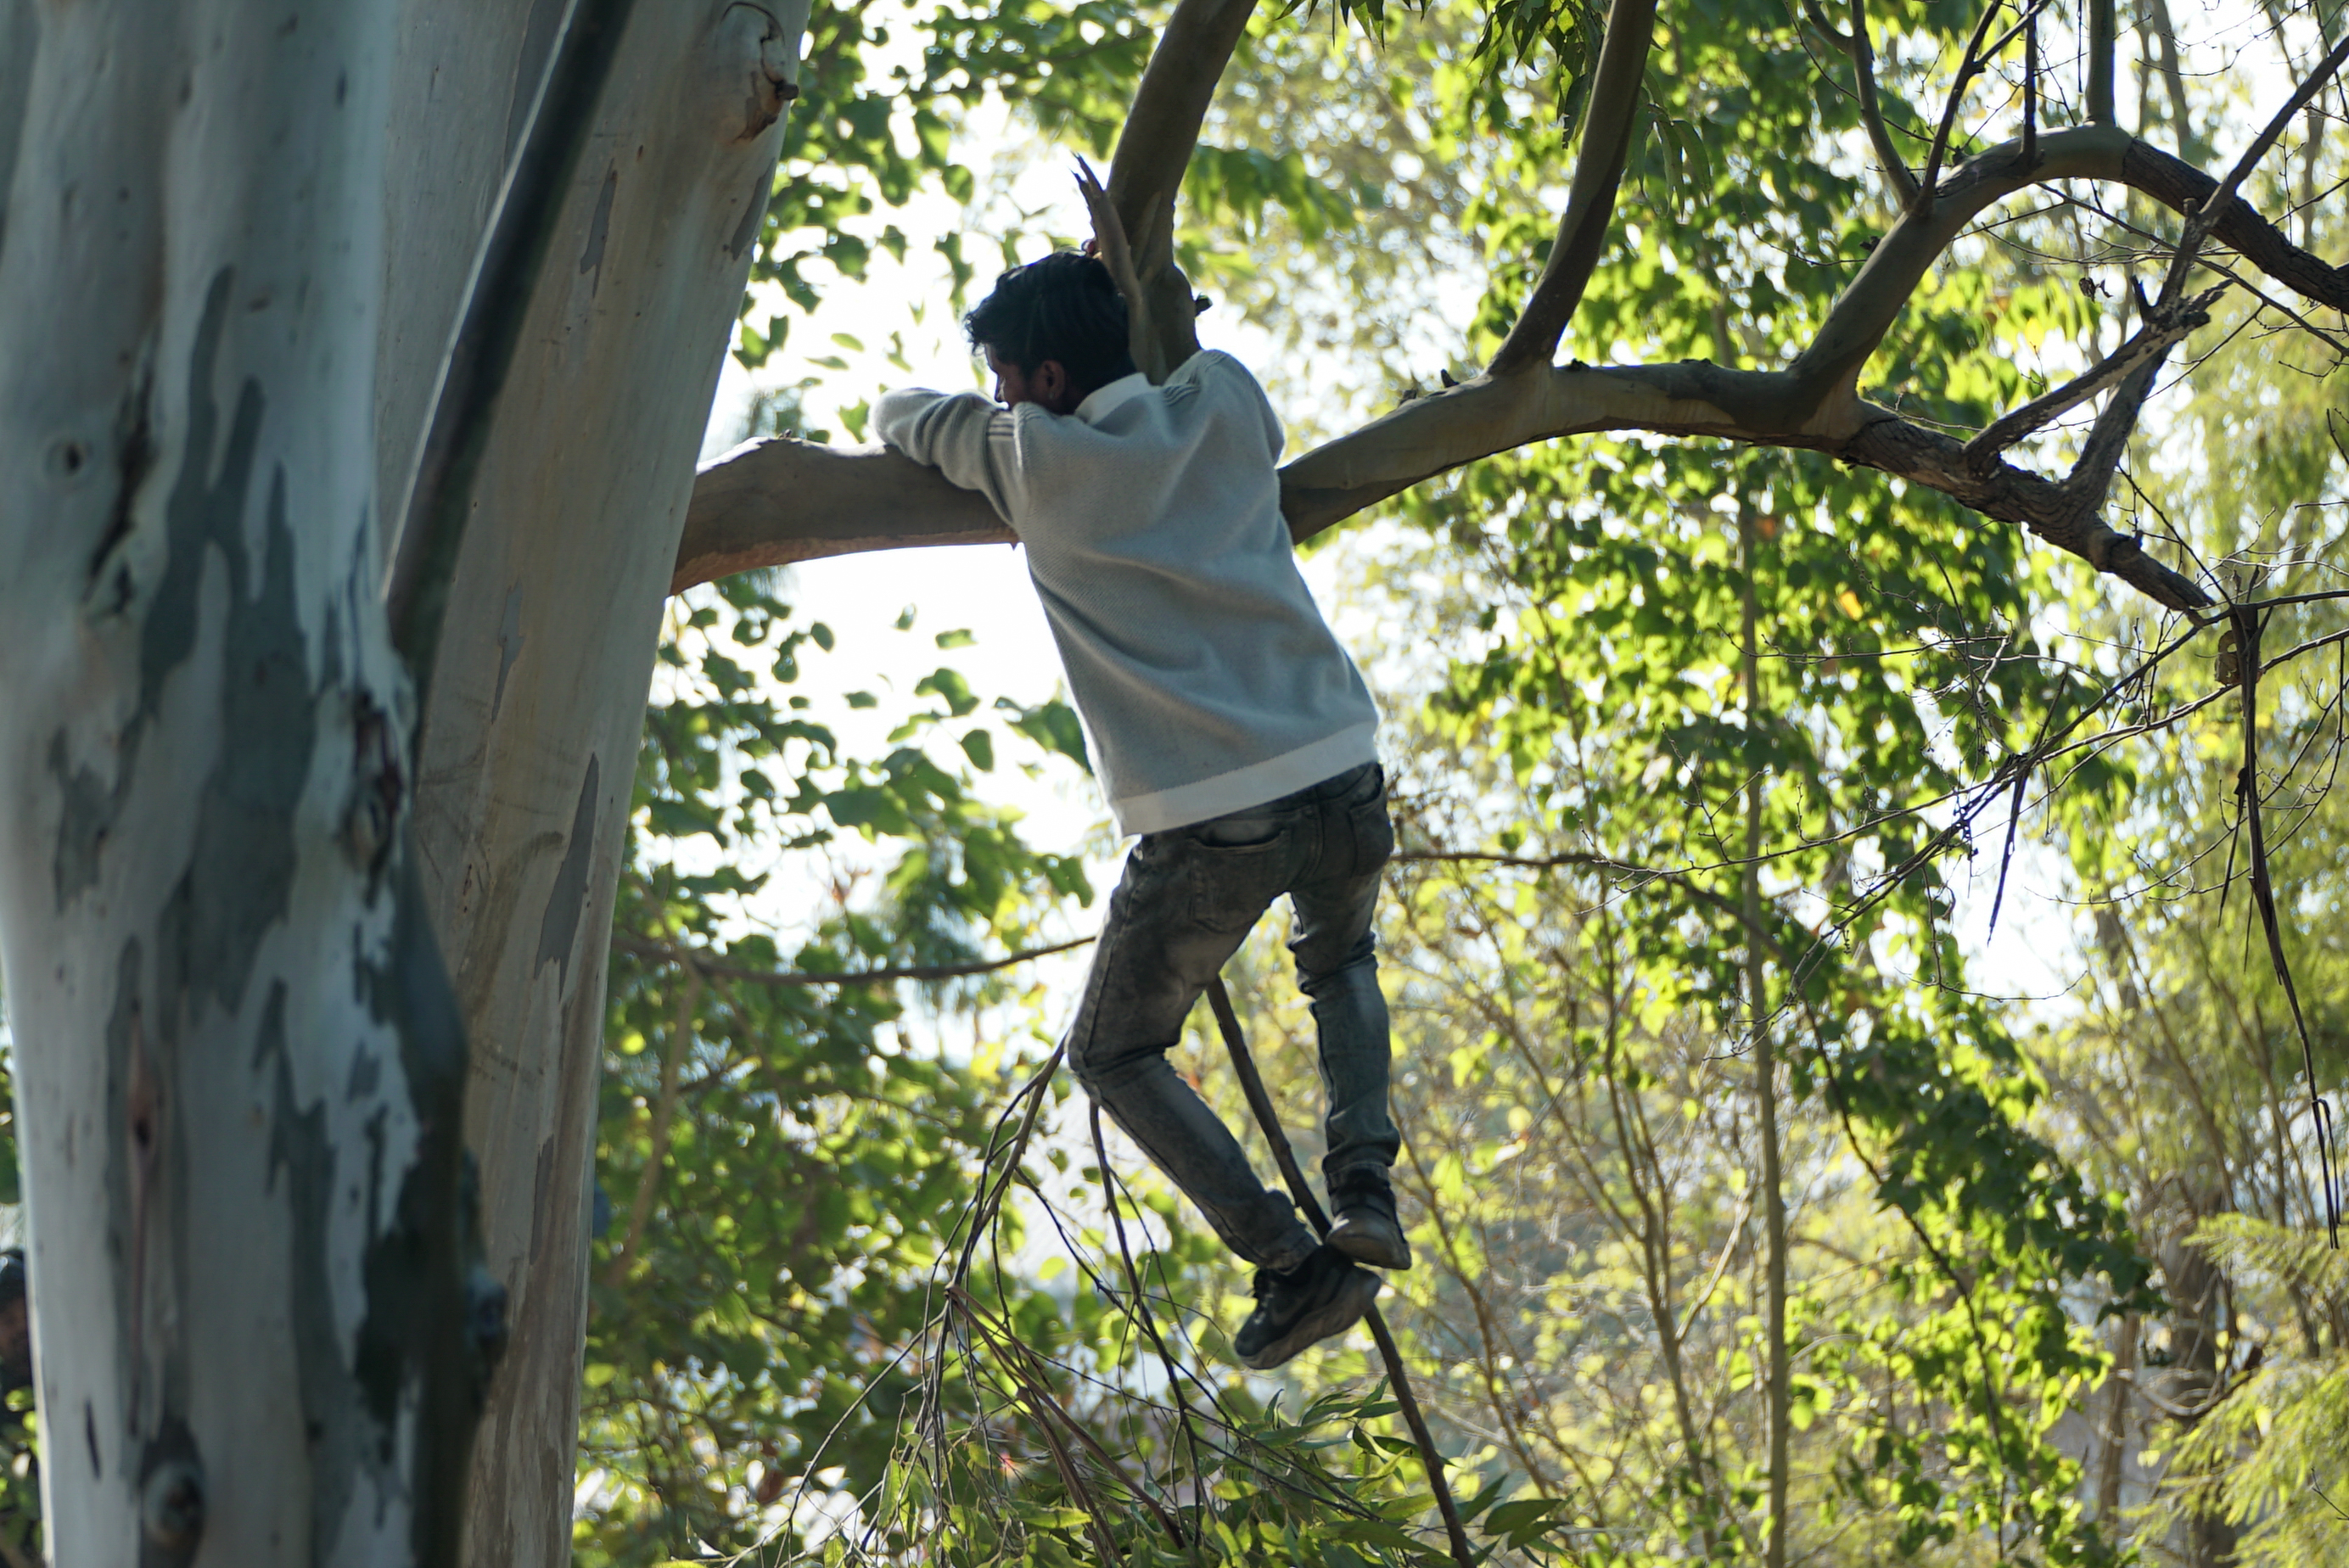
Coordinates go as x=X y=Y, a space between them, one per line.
x=1324 y=1296
x=1366 y=1229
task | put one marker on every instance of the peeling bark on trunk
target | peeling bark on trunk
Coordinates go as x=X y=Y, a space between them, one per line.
x=530 y=743
x=239 y=1064
x=240 y=1059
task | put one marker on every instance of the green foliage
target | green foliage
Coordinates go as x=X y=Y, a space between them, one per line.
x=784 y=1161
x=1651 y=685
x=2269 y=1457
x=860 y=141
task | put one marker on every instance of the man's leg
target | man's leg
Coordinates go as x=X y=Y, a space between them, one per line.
x=1337 y=966
x=1181 y=910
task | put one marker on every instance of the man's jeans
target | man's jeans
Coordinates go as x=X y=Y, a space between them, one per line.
x=1186 y=901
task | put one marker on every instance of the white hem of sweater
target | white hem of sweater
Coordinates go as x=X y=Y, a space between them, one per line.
x=1250 y=786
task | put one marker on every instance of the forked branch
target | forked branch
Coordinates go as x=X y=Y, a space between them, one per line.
x=2153 y=339
x=1155 y=351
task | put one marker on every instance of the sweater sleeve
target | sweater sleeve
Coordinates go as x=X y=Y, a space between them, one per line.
x=964 y=436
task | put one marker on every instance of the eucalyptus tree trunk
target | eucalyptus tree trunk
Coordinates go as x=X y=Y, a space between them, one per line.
x=234 y=241
x=538 y=700
x=239 y=1067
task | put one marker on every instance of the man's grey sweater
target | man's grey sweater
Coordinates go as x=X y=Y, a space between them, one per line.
x=1203 y=671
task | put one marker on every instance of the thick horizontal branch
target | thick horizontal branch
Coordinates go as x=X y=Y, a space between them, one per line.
x=776 y=501
x=687 y=958
x=881 y=501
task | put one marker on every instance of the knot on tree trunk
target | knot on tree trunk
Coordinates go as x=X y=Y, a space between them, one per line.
x=756 y=67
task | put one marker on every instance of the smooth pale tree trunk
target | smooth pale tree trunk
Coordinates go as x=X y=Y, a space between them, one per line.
x=239 y=1066
x=239 y=242
x=529 y=742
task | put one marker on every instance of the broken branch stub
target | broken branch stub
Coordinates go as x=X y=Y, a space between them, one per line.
x=1155 y=354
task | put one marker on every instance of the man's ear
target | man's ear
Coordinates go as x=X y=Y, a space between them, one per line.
x=1050 y=384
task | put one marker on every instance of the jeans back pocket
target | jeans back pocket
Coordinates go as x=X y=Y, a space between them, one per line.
x=1239 y=864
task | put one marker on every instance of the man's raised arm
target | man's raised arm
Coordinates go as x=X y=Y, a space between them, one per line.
x=964 y=436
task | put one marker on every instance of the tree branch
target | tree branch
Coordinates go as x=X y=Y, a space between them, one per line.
x=2103 y=35
x=2092 y=477
x=662 y=952
x=1871 y=112
x=2199 y=217
x=1606 y=129
x=1155 y=147
x=781 y=501
x=1154 y=352
x=2153 y=24
x=1873 y=300
x=776 y=501
x=2154 y=338
x=1970 y=63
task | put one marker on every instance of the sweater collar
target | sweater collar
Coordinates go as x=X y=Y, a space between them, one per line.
x=1101 y=399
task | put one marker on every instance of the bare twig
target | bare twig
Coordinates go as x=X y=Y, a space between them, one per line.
x=1219 y=1001
x=643 y=947
x=1607 y=127
x=2247 y=626
x=2006 y=853
x=2154 y=337
x=2338 y=346
x=2031 y=88
x=1968 y=64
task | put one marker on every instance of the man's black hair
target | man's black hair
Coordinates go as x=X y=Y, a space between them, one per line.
x=1063 y=306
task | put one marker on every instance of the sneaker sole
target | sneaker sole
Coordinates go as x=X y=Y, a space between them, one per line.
x=1342 y=1313
x=1364 y=1248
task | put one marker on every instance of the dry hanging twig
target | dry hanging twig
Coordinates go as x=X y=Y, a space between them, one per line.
x=1260 y=1102
x=2247 y=786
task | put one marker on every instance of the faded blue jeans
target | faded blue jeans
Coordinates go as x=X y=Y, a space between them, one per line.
x=1185 y=903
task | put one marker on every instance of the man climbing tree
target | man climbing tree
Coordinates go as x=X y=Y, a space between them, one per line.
x=1230 y=731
